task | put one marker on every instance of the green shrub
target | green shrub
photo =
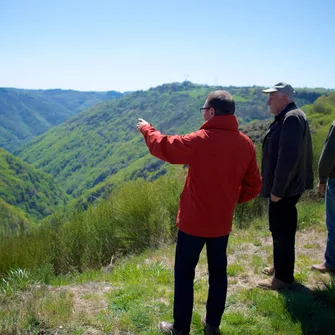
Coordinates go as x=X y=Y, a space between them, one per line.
x=142 y=218
x=139 y=215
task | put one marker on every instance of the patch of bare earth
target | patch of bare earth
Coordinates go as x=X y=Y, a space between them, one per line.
x=310 y=246
x=88 y=298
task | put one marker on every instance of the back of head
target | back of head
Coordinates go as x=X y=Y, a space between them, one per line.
x=222 y=102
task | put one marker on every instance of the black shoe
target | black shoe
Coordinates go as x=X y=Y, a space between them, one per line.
x=209 y=330
x=167 y=328
x=212 y=330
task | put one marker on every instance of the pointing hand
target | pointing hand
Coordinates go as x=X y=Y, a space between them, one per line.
x=141 y=123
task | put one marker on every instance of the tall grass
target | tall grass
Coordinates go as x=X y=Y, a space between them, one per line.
x=138 y=216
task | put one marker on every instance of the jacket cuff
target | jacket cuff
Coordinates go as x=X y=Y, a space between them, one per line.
x=145 y=127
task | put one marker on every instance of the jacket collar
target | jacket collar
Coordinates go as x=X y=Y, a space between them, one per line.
x=291 y=106
x=225 y=122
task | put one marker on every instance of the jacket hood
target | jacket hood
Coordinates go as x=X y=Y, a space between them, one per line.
x=226 y=122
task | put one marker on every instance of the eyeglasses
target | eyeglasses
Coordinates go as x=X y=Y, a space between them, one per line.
x=203 y=109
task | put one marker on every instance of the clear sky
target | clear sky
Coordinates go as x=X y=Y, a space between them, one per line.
x=128 y=45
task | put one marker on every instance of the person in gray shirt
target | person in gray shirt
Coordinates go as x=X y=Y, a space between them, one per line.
x=326 y=185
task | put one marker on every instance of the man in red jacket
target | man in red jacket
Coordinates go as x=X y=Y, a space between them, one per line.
x=222 y=172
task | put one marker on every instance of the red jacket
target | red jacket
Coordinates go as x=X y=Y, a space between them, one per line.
x=222 y=172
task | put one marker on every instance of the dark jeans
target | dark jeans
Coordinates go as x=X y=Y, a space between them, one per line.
x=283 y=218
x=188 y=250
x=330 y=222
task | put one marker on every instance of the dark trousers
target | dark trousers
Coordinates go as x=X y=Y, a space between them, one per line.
x=283 y=218
x=188 y=250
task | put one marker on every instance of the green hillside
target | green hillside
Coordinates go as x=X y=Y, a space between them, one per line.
x=100 y=147
x=25 y=114
x=26 y=194
x=12 y=219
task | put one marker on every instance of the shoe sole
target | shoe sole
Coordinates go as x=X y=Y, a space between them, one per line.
x=268 y=272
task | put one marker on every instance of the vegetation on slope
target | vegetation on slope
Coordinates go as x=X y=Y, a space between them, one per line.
x=100 y=147
x=136 y=205
x=24 y=189
x=12 y=219
x=132 y=295
x=25 y=114
x=108 y=164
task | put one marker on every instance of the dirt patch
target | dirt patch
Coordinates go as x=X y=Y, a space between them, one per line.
x=310 y=246
x=88 y=298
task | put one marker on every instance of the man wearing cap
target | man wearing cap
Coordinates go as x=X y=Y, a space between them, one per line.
x=326 y=185
x=222 y=172
x=286 y=174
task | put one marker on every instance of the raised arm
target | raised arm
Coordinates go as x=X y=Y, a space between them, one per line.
x=175 y=149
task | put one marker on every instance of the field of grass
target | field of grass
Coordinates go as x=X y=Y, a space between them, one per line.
x=131 y=295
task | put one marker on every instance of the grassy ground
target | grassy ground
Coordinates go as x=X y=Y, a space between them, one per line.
x=133 y=295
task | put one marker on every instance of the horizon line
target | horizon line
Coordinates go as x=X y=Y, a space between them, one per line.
x=153 y=87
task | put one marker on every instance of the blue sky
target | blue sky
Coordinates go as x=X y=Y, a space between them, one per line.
x=130 y=45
